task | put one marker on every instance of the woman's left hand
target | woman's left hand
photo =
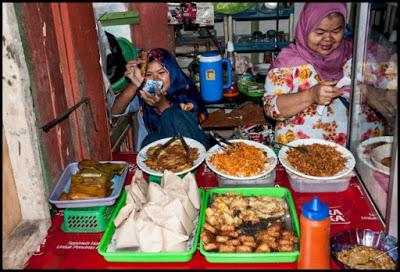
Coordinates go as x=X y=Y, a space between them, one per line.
x=159 y=101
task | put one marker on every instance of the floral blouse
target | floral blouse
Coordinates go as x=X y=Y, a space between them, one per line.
x=331 y=126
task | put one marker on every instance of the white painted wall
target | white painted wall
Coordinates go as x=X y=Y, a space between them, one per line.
x=19 y=122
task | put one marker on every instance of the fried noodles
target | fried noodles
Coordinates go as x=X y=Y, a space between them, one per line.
x=319 y=160
x=172 y=158
x=240 y=160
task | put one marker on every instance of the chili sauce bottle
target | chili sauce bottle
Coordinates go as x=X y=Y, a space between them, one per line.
x=314 y=236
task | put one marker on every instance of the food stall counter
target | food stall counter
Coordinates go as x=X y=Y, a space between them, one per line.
x=61 y=250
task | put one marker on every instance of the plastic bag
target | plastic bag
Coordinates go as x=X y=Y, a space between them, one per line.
x=232 y=8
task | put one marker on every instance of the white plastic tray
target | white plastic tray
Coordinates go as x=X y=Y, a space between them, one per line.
x=64 y=183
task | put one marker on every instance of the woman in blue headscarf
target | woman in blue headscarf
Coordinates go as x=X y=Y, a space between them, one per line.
x=174 y=108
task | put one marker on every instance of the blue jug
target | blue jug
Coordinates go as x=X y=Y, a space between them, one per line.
x=211 y=76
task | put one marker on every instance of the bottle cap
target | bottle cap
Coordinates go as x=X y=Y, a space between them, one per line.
x=315 y=210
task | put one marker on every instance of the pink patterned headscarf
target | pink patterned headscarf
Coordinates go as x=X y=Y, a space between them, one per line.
x=328 y=67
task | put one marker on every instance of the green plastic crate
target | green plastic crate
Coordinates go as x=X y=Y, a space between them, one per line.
x=254 y=257
x=93 y=219
x=151 y=257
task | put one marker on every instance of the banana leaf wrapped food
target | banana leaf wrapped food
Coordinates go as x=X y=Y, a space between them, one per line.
x=93 y=180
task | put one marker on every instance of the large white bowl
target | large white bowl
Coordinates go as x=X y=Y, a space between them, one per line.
x=142 y=156
x=379 y=153
x=350 y=161
x=272 y=159
x=366 y=158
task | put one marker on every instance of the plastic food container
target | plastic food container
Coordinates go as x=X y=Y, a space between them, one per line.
x=64 y=183
x=151 y=257
x=264 y=181
x=270 y=257
x=300 y=184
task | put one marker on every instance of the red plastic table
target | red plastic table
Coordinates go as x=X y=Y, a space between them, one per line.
x=349 y=209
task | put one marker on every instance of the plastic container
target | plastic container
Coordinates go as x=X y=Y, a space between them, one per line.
x=270 y=257
x=93 y=219
x=151 y=257
x=64 y=183
x=314 y=240
x=303 y=185
x=264 y=181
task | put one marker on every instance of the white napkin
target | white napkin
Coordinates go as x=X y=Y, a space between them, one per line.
x=175 y=208
x=190 y=186
x=174 y=241
x=140 y=181
x=150 y=237
x=180 y=193
x=125 y=234
x=156 y=194
x=170 y=180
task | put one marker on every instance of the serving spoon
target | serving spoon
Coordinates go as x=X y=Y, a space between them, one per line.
x=383 y=253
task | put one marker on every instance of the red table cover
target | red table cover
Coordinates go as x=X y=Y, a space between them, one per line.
x=349 y=209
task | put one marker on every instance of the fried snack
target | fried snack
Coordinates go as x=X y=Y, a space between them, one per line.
x=225 y=233
x=263 y=248
x=143 y=66
x=243 y=249
x=227 y=248
x=319 y=160
x=240 y=160
x=172 y=158
x=233 y=242
x=211 y=246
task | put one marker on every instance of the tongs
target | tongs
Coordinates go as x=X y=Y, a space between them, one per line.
x=170 y=141
x=220 y=140
x=299 y=148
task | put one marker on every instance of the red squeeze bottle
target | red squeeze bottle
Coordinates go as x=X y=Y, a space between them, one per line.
x=314 y=236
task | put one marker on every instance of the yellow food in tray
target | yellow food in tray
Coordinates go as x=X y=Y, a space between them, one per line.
x=93 y=180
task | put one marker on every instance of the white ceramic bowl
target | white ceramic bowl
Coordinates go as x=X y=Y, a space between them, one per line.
x=142 y=156
x=365 y=157
x=272 y=160
x=380 y=153
x=350 y=161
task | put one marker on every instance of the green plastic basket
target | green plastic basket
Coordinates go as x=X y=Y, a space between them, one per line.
x=254 y=257
x=151 y=257
x=93 y=219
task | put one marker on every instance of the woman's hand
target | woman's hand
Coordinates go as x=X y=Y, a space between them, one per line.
x=159 y=101
x=325 y=92
x=133 y=72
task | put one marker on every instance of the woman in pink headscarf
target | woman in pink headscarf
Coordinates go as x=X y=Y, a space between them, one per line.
x=304 y=75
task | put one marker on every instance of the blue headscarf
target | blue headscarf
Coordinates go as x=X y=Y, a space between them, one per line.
x=182 y=90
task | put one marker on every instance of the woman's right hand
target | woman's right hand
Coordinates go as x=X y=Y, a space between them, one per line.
x=324 y=92
x=133 y=72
